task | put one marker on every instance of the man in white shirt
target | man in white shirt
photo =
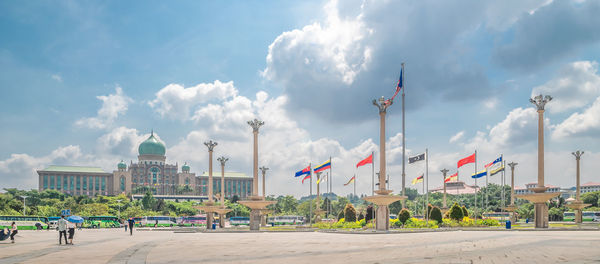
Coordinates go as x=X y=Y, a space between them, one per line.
x=62 y=230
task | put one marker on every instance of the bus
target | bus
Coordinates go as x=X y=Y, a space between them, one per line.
x=158 y=221
x=24 y=222
x=588 y=216
x=239 y=220
x=198 y=220
x=500 y=216
x=285 y=220
x=101 y=222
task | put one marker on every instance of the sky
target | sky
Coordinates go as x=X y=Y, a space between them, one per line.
x=84 y=82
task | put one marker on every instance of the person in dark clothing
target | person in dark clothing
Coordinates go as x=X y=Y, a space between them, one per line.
x=131 y=222
x=13 y=232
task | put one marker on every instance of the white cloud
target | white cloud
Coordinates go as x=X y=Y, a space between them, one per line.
x=576 y=85
x=176 y=102
x=120 y=141
x=56 y=77
x=457 y=137
x=580 y=124
x=113 y=105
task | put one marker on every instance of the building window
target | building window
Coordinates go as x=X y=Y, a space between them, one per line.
x=249 y=188
x=103 y=183
x=78 y=183
x=45 y=182
x=122 y=183
x=97 y=183
x=91 y=183
x=72 y=185
x=58 y=183
x=204 y=187
x=65 y=182
x=187 y=181
x=51 y=181
x=85 y=183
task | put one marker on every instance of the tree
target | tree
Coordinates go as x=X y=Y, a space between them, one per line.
x=361 y=216
x=555 y=214
x=341 y=214
x=525 y=210
x=465 y=211
x=456 y=212
x=436 y=214
x=403 y=216
x=235 y=198
x=591 y=198
x=349 y=213
x=94 y=209
x=370 y=213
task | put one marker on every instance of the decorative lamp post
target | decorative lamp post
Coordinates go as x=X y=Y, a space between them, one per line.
x=257 y=204
x=222 y=211
x=382 y=198
x=24 y=206
x=209 y=208
x=444 y=171
x=512 y=207
x=540 y=196
x=577 y=205
x=264 y=170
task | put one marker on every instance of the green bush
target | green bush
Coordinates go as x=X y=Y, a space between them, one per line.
x=403 y=216
x=340 y=215
x=417 y=223
x=436 y=214
x=465 y=211
x=361 y=216
x=350 y=213
x=456 y=213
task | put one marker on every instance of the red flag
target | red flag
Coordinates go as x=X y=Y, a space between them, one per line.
x=307 y=177
x=368 y=160
x=467 y=160
x=451 y=177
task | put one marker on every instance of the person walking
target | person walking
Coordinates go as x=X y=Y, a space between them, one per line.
x=13 y=232
x=62 y=230
x=71 y=227
x=131 y=222
x=125 y=224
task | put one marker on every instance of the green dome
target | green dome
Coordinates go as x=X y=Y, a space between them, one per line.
x=185 y=167
x=122 y=165
x=152 y=146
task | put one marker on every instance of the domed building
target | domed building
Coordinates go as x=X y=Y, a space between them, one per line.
x=150 y=173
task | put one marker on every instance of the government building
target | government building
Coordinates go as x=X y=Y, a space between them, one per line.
x=150 y=173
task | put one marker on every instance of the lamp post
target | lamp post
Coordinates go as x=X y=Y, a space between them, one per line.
x=512 y=182
x=578 y=205
x=444 y=171
x=540 y=196
x=264 y=169
x=257 y=204
x=382 y=198
x=209 y=213
x=24 y=206
x=222 y=211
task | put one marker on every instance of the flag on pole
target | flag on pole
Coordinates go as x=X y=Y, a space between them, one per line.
x=479 y=174
x=416 y=158
x=453 y=177
x=322 y=179
x=418 y=179
x=494 y=171
x=322 y=167
x=307 y=177
x=467 y=160
x=398 y=88
x=303 y=171
x=350 y=181
x=494 y=162
x=366 y=161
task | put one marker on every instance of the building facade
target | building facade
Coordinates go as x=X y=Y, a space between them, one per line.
x=150 y=173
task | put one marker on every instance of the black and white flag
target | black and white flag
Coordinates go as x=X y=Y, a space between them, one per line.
x=416 y=158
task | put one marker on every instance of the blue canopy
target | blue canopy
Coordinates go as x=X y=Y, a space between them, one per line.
x=75 y=219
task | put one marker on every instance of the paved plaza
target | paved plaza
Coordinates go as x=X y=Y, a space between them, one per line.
x=116 y=246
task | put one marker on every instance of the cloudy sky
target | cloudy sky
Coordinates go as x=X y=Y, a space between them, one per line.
x=83 y=83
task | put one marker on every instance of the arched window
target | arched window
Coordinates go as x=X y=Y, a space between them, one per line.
x=122 y=180
x=187 y=181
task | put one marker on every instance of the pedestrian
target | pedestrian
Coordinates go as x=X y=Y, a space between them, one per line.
x=71 y=227
x=125 y=224
x=156 y=223
x=131 y=222
x=62 y=229
x=13 y=232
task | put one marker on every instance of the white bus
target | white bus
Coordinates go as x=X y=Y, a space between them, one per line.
x=286 y=220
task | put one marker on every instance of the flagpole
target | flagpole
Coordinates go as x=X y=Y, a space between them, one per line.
x=403 y=141
x=330 y=180
x=502 y=185
x=310 y=196
x=476 y=187
x=487 y=175
x=372 y=174
x=427 y=179
x=354 y=184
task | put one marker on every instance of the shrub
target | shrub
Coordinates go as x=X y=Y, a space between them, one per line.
x=340 y=215
x=428 y=214
x=361 y=216
x=370 y=213
x=436 y=214
x=417 y=223
x=465 y=211
x=350 y=213
x=403 y=216
x=456 y=213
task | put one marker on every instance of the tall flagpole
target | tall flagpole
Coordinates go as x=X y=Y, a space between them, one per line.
x=354 y=184
x=330 y=178
x=372 y=175
x=427 y=180
x=310 y=196
x=476 y=187
x=403 y=141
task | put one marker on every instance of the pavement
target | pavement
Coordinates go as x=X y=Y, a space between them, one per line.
x=116 y=246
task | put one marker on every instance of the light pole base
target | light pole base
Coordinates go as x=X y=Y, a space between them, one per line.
x=382 y=214
x=255 y=220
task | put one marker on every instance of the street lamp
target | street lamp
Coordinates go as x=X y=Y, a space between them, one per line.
x=119 y=204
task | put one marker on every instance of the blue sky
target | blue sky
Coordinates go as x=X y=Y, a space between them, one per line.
x=84 y=82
